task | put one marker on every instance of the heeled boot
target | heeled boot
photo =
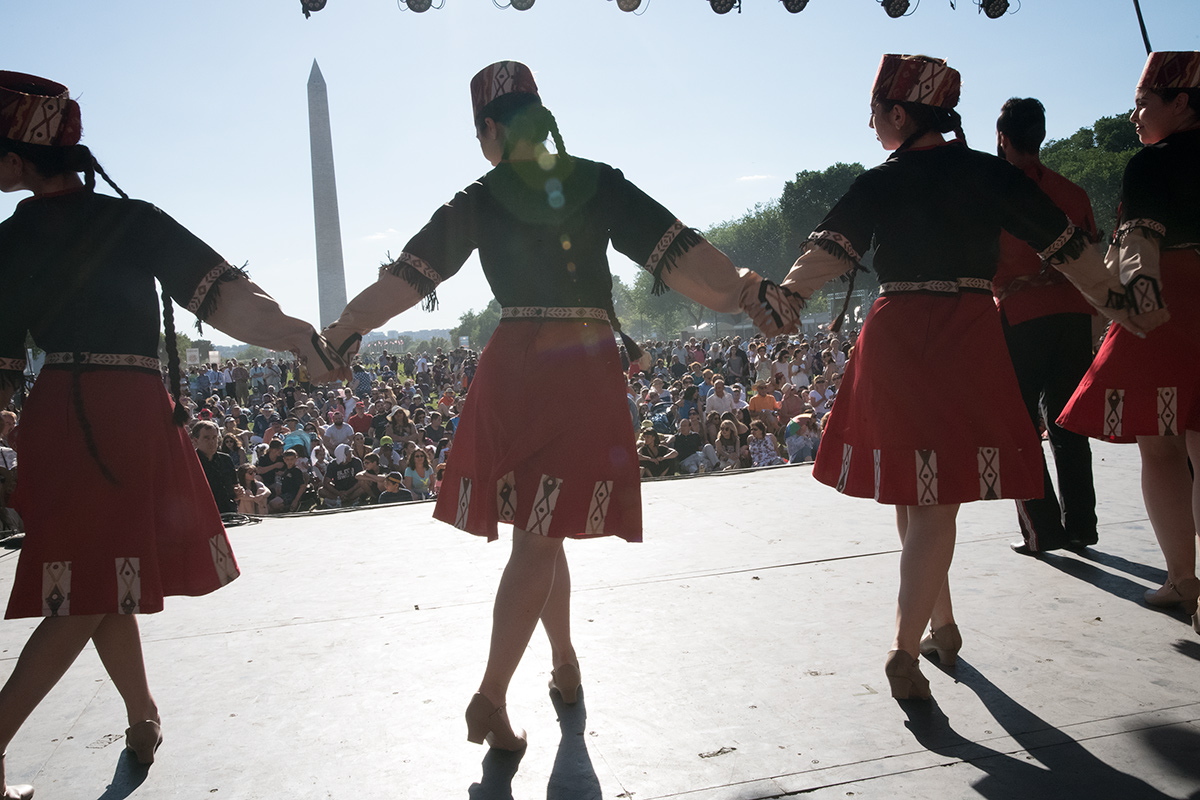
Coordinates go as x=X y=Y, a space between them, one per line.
x=904 y=677
x=142 y=739
x=486 y=721
x=946 y=641
x=565 y=680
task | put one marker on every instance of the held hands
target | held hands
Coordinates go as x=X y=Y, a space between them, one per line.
x=344 y=342
x=324 y=363
x=772 y=308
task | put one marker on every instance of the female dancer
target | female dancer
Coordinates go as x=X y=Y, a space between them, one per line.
x=935 y=210
x=78 y=270
x=542 y=224
x=1148 y=390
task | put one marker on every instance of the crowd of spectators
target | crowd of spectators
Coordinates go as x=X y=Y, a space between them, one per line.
x=270 y=442
x=714 y=405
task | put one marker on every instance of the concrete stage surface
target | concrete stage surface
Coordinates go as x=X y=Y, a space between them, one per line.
x=737 y=654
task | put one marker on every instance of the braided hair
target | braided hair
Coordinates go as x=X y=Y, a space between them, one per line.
x=927 y=118
x=524 y=119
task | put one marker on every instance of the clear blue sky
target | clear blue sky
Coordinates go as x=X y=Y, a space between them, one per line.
x=201 y=107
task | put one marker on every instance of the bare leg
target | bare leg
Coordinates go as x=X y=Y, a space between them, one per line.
x=120 y=649
x=943 y=608
x=524 y=589
x=50 y=651
x=1170 y=499
x=928 y=549
x=556 y=615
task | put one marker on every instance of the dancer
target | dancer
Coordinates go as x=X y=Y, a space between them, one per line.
x=1148 y=390
x=1048 y=330
x=934 y=210
x=78 y=270
x=542 y=223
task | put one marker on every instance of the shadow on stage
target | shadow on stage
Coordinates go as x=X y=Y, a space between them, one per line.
x=128 y=776
x=1050 y=764
x=572 y=778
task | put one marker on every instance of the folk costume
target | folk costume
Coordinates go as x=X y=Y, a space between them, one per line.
x=562 y=462
x=79 y=270
x=929 y=411
x=1151 y=386
x=1048 y=330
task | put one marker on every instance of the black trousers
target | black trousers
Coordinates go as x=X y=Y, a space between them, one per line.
x=1051 y=354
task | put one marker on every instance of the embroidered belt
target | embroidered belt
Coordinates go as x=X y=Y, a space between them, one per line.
x=554 y=312
x=105 y=360
x=941 y=287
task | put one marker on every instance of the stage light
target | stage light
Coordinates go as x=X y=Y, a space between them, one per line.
x=725 y=6
x=522 y=5
x=628 y=5
x=795 y=6
x=309 y=6
x=418 y=5
x=995 y=9
x=895 y=8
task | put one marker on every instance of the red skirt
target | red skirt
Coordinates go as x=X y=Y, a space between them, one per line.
x=929 y=411
x=545 y=441
x=94 y=547
x=1147 y=387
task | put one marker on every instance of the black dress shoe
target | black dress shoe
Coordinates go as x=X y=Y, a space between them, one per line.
x=1022 y=548
x=1083 y=542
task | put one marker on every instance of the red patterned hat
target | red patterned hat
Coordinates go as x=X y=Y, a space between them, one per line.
x=503 y=77
x=1171 y=70
x=917 y=79
x=37 y=111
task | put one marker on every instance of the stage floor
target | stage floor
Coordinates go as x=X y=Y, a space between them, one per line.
x=737 y=654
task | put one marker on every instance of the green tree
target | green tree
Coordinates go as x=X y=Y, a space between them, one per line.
x=807 y=199
x=1095 y=158
x=760 y=240
x=182 y=343
x=477 y=327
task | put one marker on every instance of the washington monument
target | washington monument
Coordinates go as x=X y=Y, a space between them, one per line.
x=331 y=272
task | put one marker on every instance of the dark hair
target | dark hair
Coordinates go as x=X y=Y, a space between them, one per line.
x=1168 y=95
x=927 y=118
x=49 y=161
x=242 y=472
x=1023 y=121
x=524 y=119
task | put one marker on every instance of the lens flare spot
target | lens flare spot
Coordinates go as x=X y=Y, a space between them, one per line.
x=546 y=161
x=566 y=241
x=556 y=200
x=571 y=267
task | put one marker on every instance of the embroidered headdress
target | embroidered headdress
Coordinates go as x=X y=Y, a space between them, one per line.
x=917 y=79
x=37 y=111
x=1171 y=70
x=503 y=77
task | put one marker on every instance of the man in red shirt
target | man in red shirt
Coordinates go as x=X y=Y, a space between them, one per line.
x=1048 y=327
x=360 y=420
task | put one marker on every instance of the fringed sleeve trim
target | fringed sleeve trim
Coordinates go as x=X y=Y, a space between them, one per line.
x=208 y=294
x=840 y=247
x=1145 y=224
x=834 y=243
x=675 y=242
x=419 y=275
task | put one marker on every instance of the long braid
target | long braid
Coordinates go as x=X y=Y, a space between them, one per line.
x=181 y=414
x=558 y=140
x=108 y=180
